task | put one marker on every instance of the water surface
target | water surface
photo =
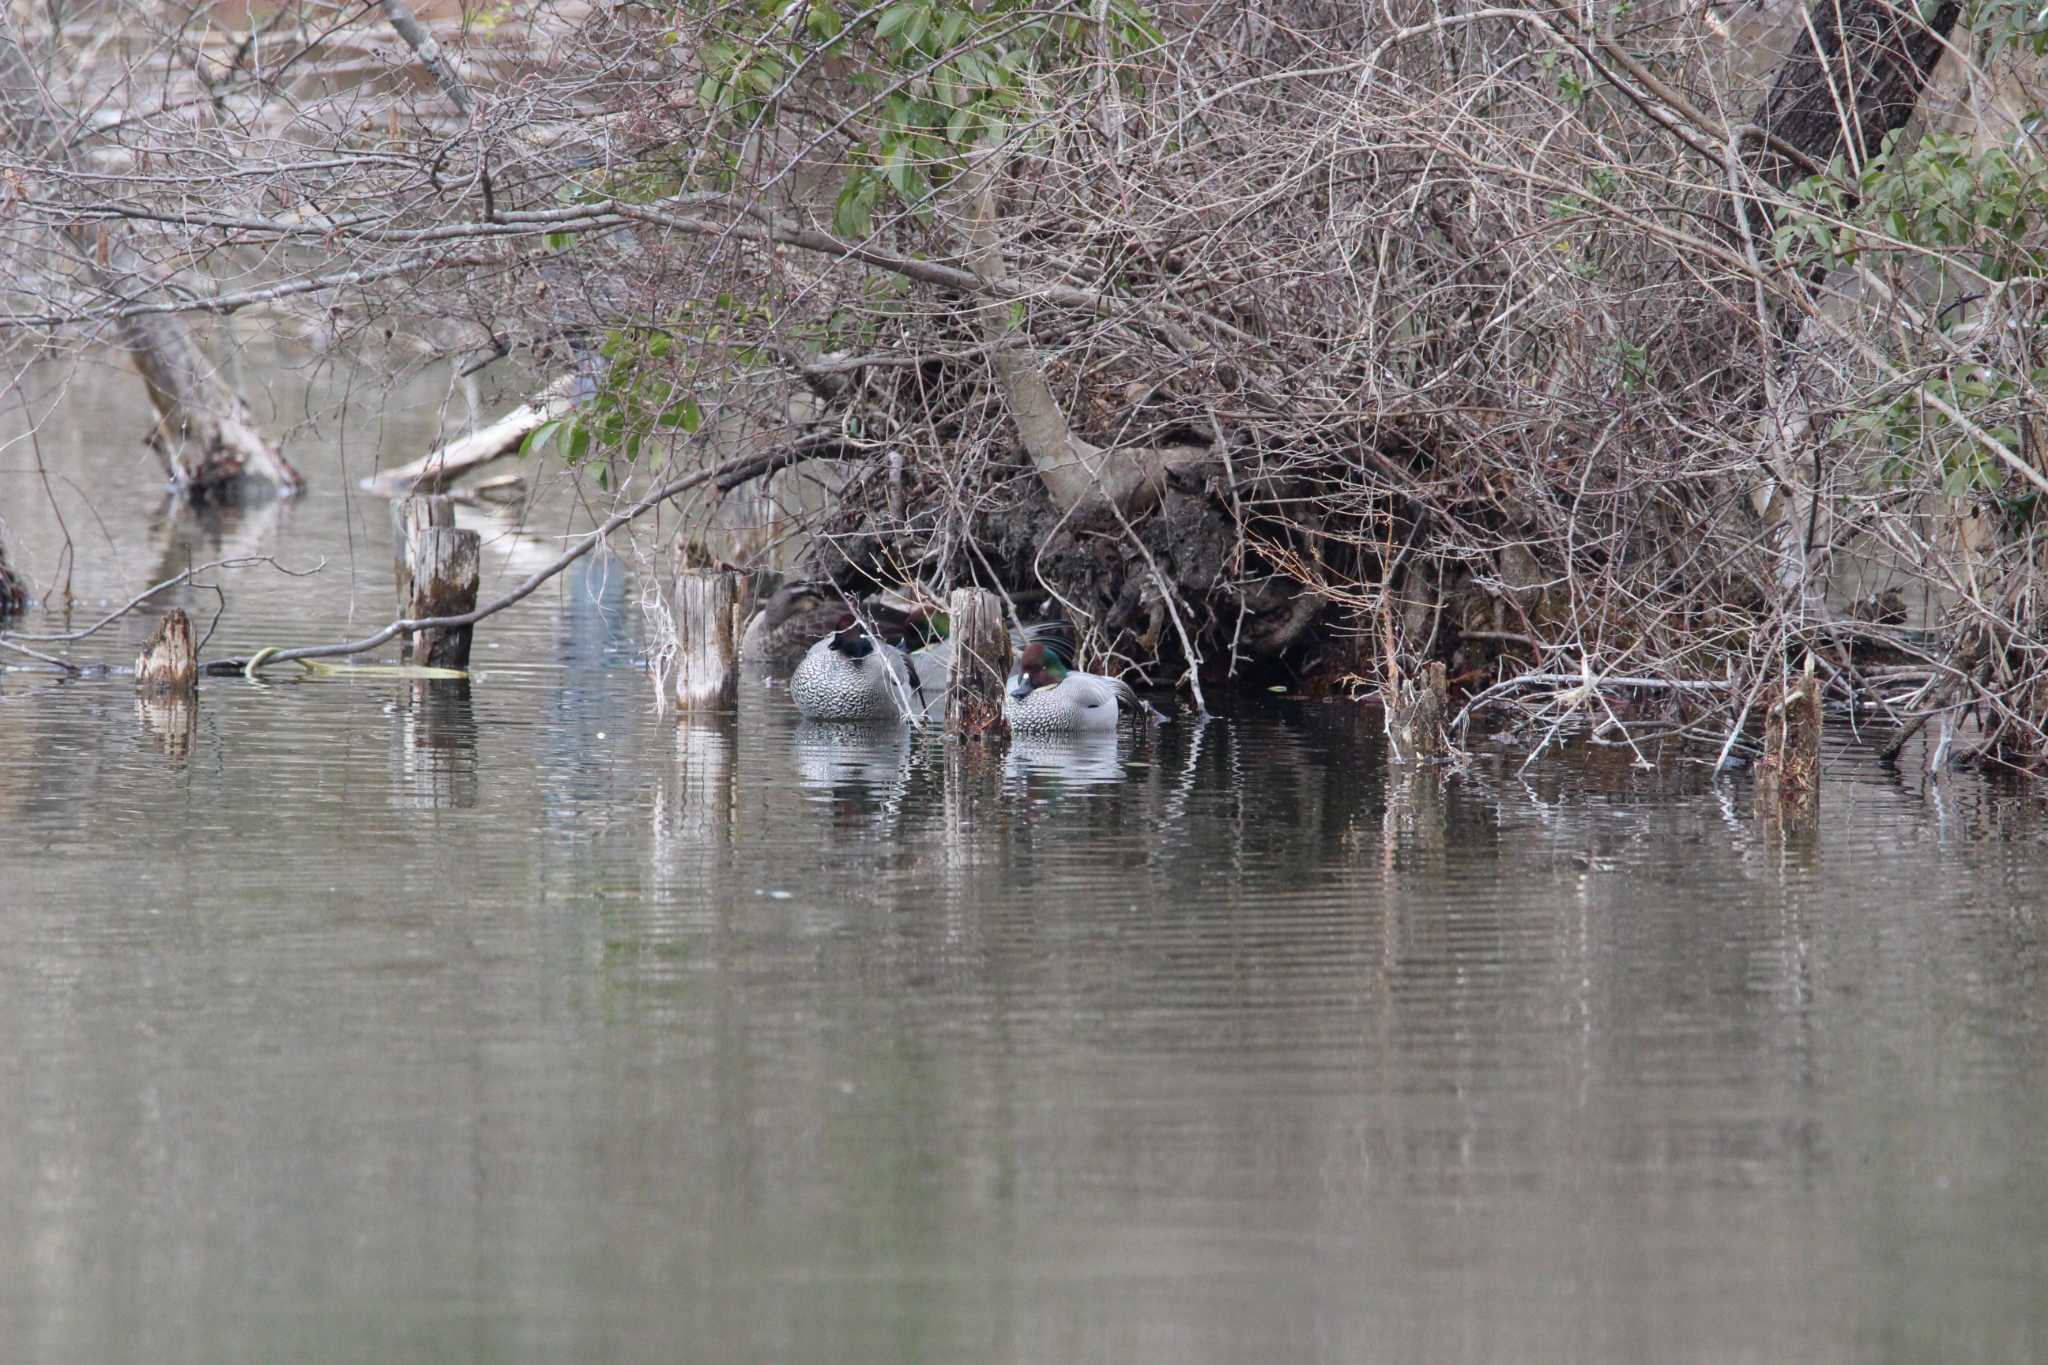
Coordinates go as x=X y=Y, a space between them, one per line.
x=506 y=1021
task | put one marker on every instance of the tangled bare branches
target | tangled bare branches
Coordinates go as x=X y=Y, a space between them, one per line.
x=1638 y=343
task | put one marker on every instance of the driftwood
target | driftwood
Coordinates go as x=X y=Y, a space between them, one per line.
x=204 y=434
x=438 y=469
x=709 y=608
x=981 y=665
x=170 y=661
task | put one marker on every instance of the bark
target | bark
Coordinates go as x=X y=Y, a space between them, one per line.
x=981 y=665
x=446 y=568
x=1858 y=83
x=709 y=606
x=205 y=434
x=1074 y=470
x=409 y=521
x=1788 y=774
x=1416 y=710
x=170 y=661
x=13 y=592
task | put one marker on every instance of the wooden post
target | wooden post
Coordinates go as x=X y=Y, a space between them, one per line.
x=981 y=665
x=1788 y=774
x=169 y=662
x=709 y=606
x=446 y=566
x=410 y=517
x=1415 y=714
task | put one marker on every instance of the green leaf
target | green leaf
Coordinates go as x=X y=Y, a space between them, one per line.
x=685 y=414
x=896 y=168
x=895 y=17
x=537 y=439
x=853 y=216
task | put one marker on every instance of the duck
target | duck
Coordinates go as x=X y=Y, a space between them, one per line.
x=796 y=617
x=1048 y=696
x=852 y=675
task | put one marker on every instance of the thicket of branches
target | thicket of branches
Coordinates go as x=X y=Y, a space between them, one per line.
x=1569 y=344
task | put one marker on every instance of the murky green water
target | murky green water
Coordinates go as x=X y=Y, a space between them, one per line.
x=506 y=1022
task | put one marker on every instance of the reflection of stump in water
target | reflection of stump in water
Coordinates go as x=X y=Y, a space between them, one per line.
x=166 y=678
x=693 y=800
x=434 y=746
x=170 y=721
x=1413 y=831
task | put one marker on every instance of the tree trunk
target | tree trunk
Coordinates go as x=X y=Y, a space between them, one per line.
x=1881 y=52
x=1073 y=469
x=205 y=434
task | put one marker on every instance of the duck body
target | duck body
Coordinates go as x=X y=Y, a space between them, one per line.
x=851 y=676
x=794 y=619
x=1046 y=697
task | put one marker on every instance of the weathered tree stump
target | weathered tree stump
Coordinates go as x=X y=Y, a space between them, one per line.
x=1788 y=774
x=446 y=567
x=1415 y=714
x=409 y=518
x=709 y=606
x=13 y=592
x=170 y=661
x=981 y=665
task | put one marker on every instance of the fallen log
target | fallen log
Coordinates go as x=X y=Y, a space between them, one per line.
x=438 y=469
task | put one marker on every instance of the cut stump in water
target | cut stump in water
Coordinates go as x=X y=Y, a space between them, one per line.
x=13 y=593
x=446 y=567
x=409 y=518
x=1788 y=774
x=170 y=661
x=981 y=665
x=1415 y=714
x=709 y=605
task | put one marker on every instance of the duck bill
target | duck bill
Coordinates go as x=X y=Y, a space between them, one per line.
x=1020 y=689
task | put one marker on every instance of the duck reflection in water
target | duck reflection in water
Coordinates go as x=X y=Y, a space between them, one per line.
x=1085 y=758
x=872 y=759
